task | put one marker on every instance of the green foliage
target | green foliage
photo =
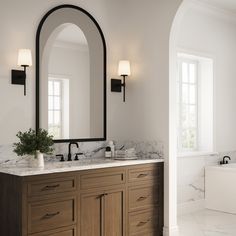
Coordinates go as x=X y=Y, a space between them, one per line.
x=30 y=142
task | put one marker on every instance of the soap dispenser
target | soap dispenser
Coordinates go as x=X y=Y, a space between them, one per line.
x=108 y=152
x=112 y=146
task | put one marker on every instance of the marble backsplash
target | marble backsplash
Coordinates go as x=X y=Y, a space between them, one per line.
x=144 y=150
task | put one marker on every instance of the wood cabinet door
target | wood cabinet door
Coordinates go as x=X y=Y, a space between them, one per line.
x=90 y=216
x=102 y=213
x=114 y=211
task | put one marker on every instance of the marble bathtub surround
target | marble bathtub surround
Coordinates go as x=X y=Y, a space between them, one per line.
x=191 y=179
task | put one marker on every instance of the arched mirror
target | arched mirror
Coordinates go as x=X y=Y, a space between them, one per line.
x=71 y=76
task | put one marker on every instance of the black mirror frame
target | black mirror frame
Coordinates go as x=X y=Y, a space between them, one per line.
x=38 y=74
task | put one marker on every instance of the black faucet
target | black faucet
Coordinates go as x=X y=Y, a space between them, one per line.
x=225 y=161
x=69 y=150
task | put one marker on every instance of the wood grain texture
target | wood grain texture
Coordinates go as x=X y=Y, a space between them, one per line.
x=143 y=222
x=52 y=186
x=97 y=179
x=65 y=231
x=118 y=201
x=10 y=205
x=51 y=214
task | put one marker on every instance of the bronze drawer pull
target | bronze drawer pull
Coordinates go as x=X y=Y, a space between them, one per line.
x=50 y=215
x=142 y=198
x=141 y=223
x=50 y=187
x=142 y=175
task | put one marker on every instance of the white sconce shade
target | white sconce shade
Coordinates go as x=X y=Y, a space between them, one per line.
x=24 y=57
x=124 y=68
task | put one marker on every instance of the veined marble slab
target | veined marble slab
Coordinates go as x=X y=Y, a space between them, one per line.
x=144 y=150
x=59 y=167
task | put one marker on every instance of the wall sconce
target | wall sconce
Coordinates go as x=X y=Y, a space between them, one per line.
x=24 y=60
x=124 y=71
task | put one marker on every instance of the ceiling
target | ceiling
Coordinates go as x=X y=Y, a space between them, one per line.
x=72 y=34
x=229 y=5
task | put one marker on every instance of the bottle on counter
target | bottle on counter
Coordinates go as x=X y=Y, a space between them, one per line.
x=108 y=152
x=112 y=146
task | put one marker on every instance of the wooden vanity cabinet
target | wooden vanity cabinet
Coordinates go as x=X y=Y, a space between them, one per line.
x=102 y=201
x=102 y=213
x=117 y=201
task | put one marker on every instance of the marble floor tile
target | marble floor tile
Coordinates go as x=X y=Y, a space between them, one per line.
x=207 y=223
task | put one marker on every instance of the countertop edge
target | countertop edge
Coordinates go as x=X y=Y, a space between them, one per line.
x=27 y=171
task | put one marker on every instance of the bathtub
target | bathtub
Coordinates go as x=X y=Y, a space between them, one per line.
x=220 y=188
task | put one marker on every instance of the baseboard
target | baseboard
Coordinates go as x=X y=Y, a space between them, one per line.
x=171 y=231
x=189 y=207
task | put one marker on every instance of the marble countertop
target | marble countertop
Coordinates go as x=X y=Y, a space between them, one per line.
x=58 y=167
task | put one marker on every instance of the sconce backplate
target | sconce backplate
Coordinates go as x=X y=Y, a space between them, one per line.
x=116 y=85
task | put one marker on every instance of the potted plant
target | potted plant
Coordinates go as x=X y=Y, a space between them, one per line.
x=35 y=144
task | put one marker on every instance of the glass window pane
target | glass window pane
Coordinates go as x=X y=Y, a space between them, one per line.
x=185 y=92
x=192 y=135
x=185 y=72
x=54 y=131
x=57 y=117
x=184 y=139
x=50 y=102
x=57 y=103
x=192 y=73
x=50 y=117
x=50 y=130
x=57 y=88
x=189 y=138
x=192 y=116
x=184 y=117
x=192 y=94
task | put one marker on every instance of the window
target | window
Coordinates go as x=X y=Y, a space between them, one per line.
x=55 y=107
x=195 y=103
x=188 y=105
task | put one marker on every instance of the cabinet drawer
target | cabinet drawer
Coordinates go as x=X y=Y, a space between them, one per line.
x=102 y=179
x=144 y=197
x=49 y=215
x=59 y=185
x=66 y=231
x=143 y=222
x=147 y=173
x=153 y=233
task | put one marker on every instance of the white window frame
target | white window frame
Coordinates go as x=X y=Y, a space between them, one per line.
x=188 y=61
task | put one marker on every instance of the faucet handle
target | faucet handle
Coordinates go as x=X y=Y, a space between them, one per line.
x=77 y=156
x=62 y=157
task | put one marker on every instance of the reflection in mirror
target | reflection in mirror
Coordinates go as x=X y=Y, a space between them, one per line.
x=71 y=76
x=69 y=84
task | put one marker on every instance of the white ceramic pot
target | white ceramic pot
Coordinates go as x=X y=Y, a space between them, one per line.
x=39 y=159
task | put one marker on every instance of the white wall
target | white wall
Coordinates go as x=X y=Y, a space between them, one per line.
x=136 y=30
x=141 y=37
x=206 y=32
